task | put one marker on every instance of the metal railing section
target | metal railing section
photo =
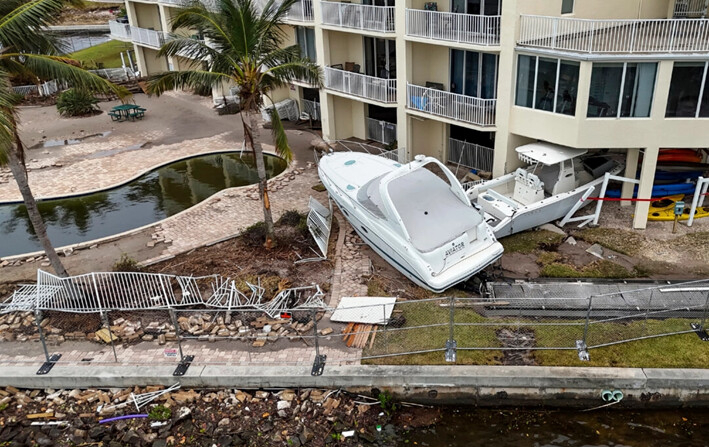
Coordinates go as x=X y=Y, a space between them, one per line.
x=312 y=108
x=691 y=8
x=454 y=106
x=363 y=17
x=453 y=27
x=301 y=11
x=148 y=37
x=470 y=155
x=381 y=131
x=357 y=84
x=615 y=36
x=120 y=31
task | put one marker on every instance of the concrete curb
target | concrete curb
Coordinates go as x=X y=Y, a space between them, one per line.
x=480 y=385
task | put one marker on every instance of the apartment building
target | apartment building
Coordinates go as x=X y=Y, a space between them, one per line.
x=469 y=81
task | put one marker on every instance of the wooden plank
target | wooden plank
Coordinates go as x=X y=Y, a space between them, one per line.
x=40 y=415
x=374 y=334
x=347 y=330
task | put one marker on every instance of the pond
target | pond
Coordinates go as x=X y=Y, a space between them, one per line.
x=152 y=197
x=460 y=427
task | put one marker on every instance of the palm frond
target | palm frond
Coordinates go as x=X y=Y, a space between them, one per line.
x=22 y=28
x=279 y=137
x=163 y=82
x=189 y=48
x=303 y=70
x=63 y=69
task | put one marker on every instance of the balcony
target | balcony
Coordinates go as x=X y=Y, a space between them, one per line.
x=469 y=155
x=381 y=131
x=301 y=11
x=148 y=37
x=690 y=8
x=453 y=27
x=456 y=107
x=360 y=17
x=209 y=4
x=119 y=31
x=615 y=36
x=363 y=86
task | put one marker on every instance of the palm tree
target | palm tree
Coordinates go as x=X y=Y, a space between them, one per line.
x=27 y=50
x=242 y=47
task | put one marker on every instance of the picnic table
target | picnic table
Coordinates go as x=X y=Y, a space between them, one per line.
x=124 y=112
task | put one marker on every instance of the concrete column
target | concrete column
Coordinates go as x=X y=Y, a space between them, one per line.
x=403 y=70
x=322 y=48
x=631 y=170
x=647 y=179
x=506 y=77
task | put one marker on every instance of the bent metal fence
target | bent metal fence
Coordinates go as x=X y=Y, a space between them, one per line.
x=153 y=319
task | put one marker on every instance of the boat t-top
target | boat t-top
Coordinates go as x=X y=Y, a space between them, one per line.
x=416 y=216
x=556 y=179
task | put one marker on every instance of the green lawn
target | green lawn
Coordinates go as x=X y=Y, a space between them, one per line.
x=108 y=53
x=424 y=327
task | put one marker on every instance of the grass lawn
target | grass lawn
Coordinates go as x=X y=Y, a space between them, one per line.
x=108 y=53
x=424 y=327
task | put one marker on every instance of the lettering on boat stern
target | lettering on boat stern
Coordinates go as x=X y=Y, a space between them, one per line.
x=456 y=248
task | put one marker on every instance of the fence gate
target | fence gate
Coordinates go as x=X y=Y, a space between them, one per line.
x=320 y=226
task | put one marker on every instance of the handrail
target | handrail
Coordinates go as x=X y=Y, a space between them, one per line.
x=363 y=17
x=453 y=27
x=357 y=84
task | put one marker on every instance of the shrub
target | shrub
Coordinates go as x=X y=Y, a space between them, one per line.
x=255 y=235
x=76 y=102
x=292 y=218
x=126 y=264
x=159 y=413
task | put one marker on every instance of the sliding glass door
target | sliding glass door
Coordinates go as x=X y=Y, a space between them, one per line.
x=474 y=74
x=477 y=7
x=380 y=57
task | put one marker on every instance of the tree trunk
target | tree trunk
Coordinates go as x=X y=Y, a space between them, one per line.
x=19 y=172
x=251 y=133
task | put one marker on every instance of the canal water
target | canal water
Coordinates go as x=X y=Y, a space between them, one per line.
x=536 y=428
x=154 y=196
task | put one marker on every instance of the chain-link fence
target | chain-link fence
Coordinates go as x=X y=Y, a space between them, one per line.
x=428 y=331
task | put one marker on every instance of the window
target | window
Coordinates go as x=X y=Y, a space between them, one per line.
x=688 y=91
x=306 y=41
x=621 y=90
x=474 y=74
x=547 y=84
x=380 y=58
x=477 y=7
x=567 y=6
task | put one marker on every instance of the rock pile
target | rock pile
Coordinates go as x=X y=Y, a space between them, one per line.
x=308 y=417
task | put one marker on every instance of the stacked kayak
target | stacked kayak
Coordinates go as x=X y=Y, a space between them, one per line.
x=660 y=190
x=664 y=209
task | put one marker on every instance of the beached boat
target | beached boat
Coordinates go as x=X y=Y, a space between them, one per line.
x=543 y=192
x=415 y=216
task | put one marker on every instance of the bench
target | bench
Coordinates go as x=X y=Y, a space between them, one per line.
x=115 y=116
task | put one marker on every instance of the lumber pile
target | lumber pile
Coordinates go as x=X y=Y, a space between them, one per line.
x=356 y=335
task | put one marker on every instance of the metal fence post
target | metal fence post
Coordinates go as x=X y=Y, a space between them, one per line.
x=50 y=361
x=581 y=345
x=451 y=344
x=384 y=323
x=173 y=318
x=104 y=317
x=319 y=364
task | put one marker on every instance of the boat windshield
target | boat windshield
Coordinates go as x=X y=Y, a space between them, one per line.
x=369 y=197
x=431 y=213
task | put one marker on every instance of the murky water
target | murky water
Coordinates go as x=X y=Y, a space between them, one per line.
x=152 y=197
x=600 y=428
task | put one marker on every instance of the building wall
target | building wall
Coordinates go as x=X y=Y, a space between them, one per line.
x=148 y=16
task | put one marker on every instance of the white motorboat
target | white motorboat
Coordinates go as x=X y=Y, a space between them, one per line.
x=415 y=216
x=545 y=191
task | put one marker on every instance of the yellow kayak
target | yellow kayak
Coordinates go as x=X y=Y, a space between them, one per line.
x=664 y=210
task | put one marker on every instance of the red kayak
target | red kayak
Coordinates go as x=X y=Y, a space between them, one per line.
x=680 y=155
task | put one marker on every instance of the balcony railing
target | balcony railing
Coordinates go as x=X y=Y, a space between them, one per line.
x=148 y=37
x=363 y=17
x=119 y=31
x=691 y=8
x=615 y=36
x=301 y=11
x=370 y=87
x=457 y=107
x=470 y=155
x=453 y=27
x=209 y=4
x=381 y=131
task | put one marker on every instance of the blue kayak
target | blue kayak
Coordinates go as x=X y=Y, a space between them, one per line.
x=660 y=190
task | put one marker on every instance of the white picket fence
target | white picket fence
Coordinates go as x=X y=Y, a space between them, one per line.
x=470 y=155
x=453 y=27
x=457 y=107
x=381 y=131
x=357 y=84
x=615 y=36
x=364 y=17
